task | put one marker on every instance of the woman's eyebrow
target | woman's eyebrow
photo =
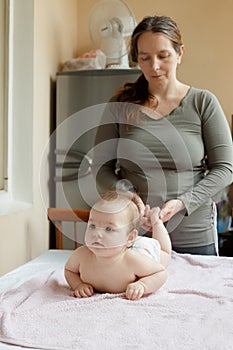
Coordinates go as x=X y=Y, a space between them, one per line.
x=147 y=53
x=142 y=53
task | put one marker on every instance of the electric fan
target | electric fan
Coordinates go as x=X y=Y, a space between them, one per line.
x=111 y=23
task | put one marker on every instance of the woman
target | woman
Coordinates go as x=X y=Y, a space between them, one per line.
x=168 y=140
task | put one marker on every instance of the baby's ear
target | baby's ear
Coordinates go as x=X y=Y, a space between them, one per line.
x=131 y=237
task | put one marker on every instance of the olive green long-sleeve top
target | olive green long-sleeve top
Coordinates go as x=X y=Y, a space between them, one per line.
x=186 y=155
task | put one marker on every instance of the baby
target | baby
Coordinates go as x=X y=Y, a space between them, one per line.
x=115 y=259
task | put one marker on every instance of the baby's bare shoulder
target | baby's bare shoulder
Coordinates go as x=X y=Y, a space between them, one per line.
x=78 y=254
x=80 y=251
x=83 y=249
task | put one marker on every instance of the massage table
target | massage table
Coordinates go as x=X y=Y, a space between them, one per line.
x=193 y=310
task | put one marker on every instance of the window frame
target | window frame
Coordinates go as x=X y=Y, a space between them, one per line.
x=4 y=56
x=18 y=192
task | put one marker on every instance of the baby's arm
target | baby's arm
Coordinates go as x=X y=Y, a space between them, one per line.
x=72 y=275
x=152 y=275
x=160 y=233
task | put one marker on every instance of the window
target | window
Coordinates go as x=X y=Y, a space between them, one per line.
x=3 y=89
x=16 y=101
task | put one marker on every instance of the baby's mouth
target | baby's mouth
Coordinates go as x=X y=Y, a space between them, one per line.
x=97 y=244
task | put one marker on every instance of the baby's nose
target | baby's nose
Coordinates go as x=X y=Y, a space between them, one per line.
x=98 y=232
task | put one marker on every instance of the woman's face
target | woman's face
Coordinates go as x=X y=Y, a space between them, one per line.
x=158 y=59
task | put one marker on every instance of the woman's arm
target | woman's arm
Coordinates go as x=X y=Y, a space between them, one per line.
x=218 y=148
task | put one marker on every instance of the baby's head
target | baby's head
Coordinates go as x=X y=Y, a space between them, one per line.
x=128 y=204
x=114 y=219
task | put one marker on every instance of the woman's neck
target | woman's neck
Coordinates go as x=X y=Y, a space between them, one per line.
x=168 y=91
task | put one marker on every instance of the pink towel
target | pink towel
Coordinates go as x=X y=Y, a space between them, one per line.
x=193 y=310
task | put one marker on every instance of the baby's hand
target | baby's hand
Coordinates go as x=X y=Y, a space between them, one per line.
x=83 y=290
x=145 y=221
x=154 y=215
x=135 y=291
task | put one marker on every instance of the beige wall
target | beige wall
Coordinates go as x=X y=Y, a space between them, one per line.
x=24 y=235
x=207 y=32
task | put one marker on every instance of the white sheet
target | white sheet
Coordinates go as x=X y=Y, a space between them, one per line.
x=50 y=260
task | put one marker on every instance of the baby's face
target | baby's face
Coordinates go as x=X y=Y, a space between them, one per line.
x=107 y=230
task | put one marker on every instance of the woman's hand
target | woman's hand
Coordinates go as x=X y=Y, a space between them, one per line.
x=171 y=208
x=168 y=210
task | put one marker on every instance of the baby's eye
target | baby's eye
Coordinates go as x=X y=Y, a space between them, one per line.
x=109 y=229
x=92 y=227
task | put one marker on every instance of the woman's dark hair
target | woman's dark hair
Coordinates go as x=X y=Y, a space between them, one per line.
x=137 y=92
x=155 y=24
